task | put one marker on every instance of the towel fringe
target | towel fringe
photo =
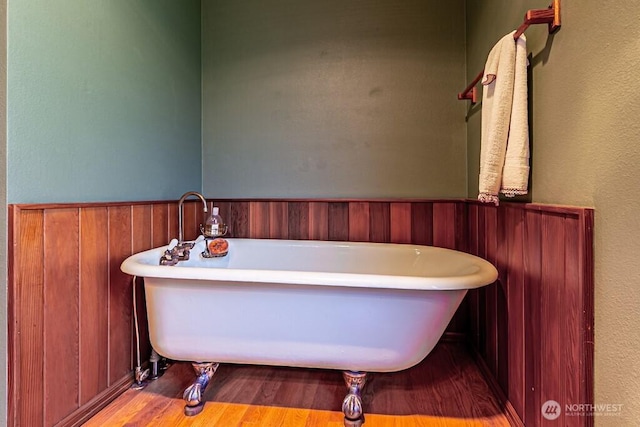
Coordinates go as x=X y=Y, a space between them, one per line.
x=513 y=192
x=489 y=198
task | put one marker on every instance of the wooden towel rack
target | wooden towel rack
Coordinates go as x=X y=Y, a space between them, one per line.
x=550 y=16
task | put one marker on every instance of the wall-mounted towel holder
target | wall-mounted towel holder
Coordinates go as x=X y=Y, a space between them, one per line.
x=550 y=16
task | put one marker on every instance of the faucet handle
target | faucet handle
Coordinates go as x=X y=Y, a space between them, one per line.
x=169 y=257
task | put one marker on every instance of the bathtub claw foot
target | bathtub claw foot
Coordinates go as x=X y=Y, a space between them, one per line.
x=193 y=394
x=352 y=403
x=190 y=411
x=354 y=423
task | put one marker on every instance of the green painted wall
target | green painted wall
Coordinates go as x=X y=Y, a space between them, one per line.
x=103 y=100
x=3 y=213
x=585 y=151
x=329 y=99
x=333 y=98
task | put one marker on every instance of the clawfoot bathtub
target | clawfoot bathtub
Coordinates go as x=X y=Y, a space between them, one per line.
x=354 y=307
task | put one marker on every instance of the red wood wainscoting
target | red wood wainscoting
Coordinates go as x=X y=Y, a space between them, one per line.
x=532 y=330
x=71 y=341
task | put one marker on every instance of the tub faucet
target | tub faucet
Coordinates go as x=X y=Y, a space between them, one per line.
x=180 y=203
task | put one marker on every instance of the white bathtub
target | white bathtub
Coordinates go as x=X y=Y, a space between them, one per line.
x=348 y=306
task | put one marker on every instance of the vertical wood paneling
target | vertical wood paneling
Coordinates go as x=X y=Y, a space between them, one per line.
x=173 y=223
x=422 y=223
x=461 y=319
x=298 y=220
x=482 y=292
x=400 y=214
x=193 y=217
x=160 y=225
x=141 y=239
x=533 y=333
x=120 y=294
x=258 y=220
x=544 y=258
x=188 y=221
x=444 y=233
x=359 y=221
x=461 y=231
x=553 y=306
x=318 y=220
x=94 y=285
x=514 y=225
x=29 y=327
x=61 y=316
x=338 y=221
x=587 y=288
x=473 y=295
x=141 y=228
x=279 y=217
x=224 y=209
x=13 y=314
x=239 y=219
x=379 y=222
x=573 y=318
x=536 y=347
x=502 y=344
x=502 y=309
x=491 y=291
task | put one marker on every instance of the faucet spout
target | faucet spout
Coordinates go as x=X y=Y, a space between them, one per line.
x=180 y=209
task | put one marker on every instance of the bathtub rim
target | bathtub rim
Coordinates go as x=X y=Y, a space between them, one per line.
x=486 y=272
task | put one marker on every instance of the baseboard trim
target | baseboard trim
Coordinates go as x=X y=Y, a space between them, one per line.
x=95 y=405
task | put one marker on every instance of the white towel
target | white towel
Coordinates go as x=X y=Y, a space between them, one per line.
x=504 y=149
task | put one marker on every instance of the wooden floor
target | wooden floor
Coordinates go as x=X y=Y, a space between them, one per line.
x=446 y=389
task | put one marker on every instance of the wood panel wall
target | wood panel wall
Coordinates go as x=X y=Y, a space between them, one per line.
x=71 y=340
x=533 y=328
x=71 y=337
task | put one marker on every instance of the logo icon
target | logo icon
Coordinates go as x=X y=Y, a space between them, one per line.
x=551 y=409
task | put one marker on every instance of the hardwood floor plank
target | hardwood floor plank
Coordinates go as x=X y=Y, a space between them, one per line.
x=230 y=414
x=294 y=417
x=140 y=403
x=324 y=418
x=445 y=389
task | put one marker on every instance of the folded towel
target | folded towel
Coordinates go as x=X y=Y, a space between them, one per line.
x=504 y=149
